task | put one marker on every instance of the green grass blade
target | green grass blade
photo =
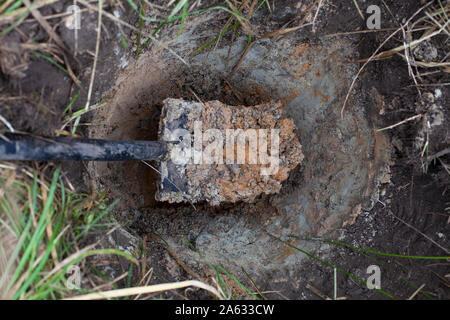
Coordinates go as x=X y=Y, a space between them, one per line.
x=373 y=251
x=222 y=283
x=51 y=60
x=75 y=97
x=37 y=235
x=331 y=266
x=15 y=23
x=237 y=282
x=183 y=18
x=178 y=7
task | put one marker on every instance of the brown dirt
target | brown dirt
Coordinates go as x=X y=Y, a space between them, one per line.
x=226 y=177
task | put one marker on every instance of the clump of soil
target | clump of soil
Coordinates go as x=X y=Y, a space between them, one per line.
x=227 y=153
x=352 y=172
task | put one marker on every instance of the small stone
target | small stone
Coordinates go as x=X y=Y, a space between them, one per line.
x=425 y=52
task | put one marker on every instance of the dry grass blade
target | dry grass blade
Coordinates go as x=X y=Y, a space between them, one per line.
x=317 y=292
x=412 y=44
x=401 y=122
x=419 y=232
x=447 y=168
x=315 y=16
x=110 y=284
x=284 y=31
x=8 y=241
x=97 y=48
x=55 y=16
x=6 y=123
x=45 y=25
x=181 y=263
x=266 y=36
x=416 y=292
x=376 y=55
x=251 y=9
x=369 y=31
x=148 y=289
x=443 y=84
x=359 y=10
x=437 y=23
x=9 y=166
x=237 y=16
x=5 y=5
x=427 y=64
x=8 y=17
x=222 y=32
x=439 y=154
x=67 y=261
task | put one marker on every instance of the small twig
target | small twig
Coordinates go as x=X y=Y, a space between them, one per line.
x=439 y=154
x=267 y=35
x=109 y=284
x=52 y=34
x=419 y=232
x=129 y=26
x=97 y=48
x=76 y=32
x=6 y=122
x=317 y=292
x=359 y=10
x=416 y=292
x=375 y=54
x=238 y=18
x=408 y=60
x=315 y=16
x=370 y=31
x=401 y=122
x=181 y=263
x=238 y=96
x=253 y=283
x=447 y=168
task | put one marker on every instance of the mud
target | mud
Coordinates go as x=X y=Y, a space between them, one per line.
x=225 y=153
x=346 y=160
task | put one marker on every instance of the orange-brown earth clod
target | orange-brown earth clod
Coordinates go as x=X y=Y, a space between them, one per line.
x=223 y=180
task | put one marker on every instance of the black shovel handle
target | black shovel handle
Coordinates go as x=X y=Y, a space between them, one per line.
x=25 y=147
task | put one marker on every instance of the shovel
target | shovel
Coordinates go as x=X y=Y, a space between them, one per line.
x=15 y=146
x=191 y=180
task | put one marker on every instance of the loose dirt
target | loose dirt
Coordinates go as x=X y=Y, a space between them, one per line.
x=225 y=153
x=365 y=188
